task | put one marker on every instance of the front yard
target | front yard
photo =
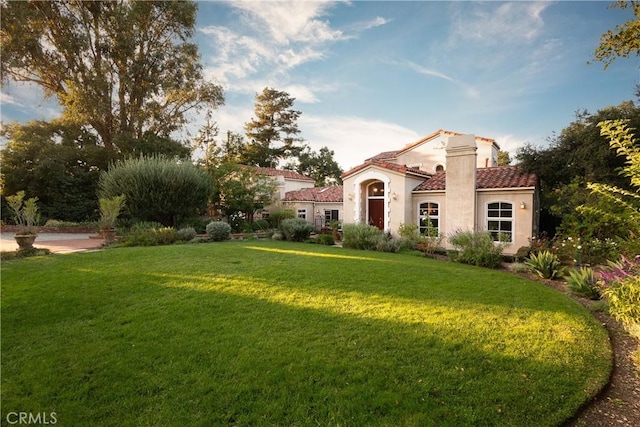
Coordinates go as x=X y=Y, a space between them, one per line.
x=276 y=333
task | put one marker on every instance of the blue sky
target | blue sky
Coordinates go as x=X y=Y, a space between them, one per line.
x=374 y=76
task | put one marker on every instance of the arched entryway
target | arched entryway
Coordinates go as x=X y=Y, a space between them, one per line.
x=375 y=204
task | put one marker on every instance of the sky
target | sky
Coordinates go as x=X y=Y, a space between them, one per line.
x=374 y=76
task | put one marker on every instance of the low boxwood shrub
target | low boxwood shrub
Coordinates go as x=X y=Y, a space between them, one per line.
x=296 y=229
x=150 y=236
x=219 y=231
x=476 y=248
x=186 y=234
x=326 y=239
x=360 y=236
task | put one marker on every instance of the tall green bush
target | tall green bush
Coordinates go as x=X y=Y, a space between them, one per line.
x=296 y=229
x=219 y=231
x=477 y=248
x=157 y=188
x=361 y=236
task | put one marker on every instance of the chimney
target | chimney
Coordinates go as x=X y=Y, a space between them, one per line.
x=461 y=183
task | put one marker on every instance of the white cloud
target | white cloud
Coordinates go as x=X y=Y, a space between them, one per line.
x=354 y=139
x=5 y=98
x=499 y=23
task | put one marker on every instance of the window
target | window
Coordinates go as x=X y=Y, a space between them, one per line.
x=376 y=189
x=429 y=218
x=265 y=214
x=330 y=215
x=500 y=221
x=302 y=213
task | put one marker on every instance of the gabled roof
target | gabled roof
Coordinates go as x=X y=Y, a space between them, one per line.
x=384 y=156
x=316 y=194
x=403 y=169
x=447 y=133
x=287 y=174
x=486 y=178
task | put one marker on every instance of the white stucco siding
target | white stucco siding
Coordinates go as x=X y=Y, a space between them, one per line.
x=523 y=217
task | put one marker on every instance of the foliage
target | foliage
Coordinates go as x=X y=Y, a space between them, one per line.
x=578 y=155
x=624 y=40
x=110 y=209
x=139 y=71
x=219 y=231
x=186 y=234
x=273 y=132
x=623 y=300
x=387 y=244
x=320 y=166
x=545 y=264
x=328 y=336
x=583 y=282
x=23 y=253
x=627 y=202
x=476 y=248
x=360 y=236
x=504 y=158
x=427 y=242
x=277 y=215
x=25 y=211
x=150 y=237
x=296 y=229
x=157 y=188
x=60 y=164
x=241 y=189
x=326 y=239
x=149 y=145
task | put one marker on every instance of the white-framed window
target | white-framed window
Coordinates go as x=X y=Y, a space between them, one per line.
x=302 y=213
x=500 y=221
x=429 y=218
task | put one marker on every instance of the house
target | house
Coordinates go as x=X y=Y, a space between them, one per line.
x=448 y=181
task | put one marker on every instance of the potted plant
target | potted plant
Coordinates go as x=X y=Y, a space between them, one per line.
x=27 y=217
x=109 y=210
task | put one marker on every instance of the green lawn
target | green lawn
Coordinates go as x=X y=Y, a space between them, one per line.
x=275 y=333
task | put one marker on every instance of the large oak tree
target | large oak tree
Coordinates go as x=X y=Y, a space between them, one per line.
x=121 y=67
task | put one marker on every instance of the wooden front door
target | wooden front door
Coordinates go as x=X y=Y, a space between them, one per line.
x=376 y=213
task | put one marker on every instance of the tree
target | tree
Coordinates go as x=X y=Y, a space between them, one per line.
x=318 y=165
x=157 y=188
x=122 y=67
x=624 y=41
x=241 y=189
x=504 y=159
x=272 y=133
x=56 y=162
x=578 y=155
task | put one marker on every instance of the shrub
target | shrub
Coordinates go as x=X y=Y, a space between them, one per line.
x=277 y=216
x=386 y=244
x=360 y=236
x=260 y=225
x=624 y=300
x=219 y=231
x=150 y=236
x=620 y=284
x=583 y=282
x=157 y=188
x=296 y=229
x=277 y=236
x=145 y=226
x=545 y=264
x=476 y=248
x=326 y=239
x=186 y=234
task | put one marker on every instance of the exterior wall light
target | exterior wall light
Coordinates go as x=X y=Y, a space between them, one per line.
x=523 y=205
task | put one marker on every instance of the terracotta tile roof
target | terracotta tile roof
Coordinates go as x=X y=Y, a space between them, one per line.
x=384 y=156
x=287 y=174
x=486 y=178
x=404 y=169
x=447 y=133
x=315 y=194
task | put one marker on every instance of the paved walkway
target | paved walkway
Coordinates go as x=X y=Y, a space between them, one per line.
x=56 y=242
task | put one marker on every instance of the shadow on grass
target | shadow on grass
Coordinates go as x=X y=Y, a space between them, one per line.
x=110 y=344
